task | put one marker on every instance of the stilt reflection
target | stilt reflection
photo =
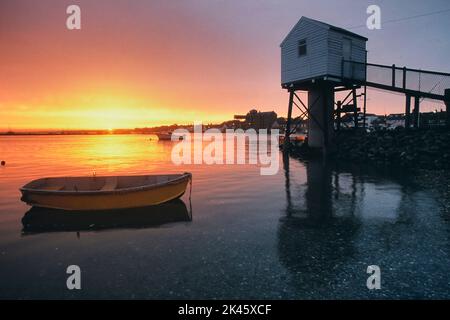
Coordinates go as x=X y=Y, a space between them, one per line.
x=314 y=239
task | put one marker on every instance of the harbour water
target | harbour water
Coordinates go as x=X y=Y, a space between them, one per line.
x=308 y=232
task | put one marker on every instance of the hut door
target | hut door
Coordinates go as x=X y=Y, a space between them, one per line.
x=347 y=55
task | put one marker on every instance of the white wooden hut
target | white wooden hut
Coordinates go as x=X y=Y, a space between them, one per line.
x=315 y=50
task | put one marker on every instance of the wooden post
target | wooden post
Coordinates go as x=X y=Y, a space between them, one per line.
x=325 y=110
x=288 y=123
x=393 y=75
x=365 y=107
x=355 y=112
x=338 y=115
x=416 y=111
x=447 y=106
x=320 y=122
x=404 y=78
x=365 y=91
x=408 y=112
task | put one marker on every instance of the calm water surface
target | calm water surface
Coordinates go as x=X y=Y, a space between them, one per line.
x=308 y=232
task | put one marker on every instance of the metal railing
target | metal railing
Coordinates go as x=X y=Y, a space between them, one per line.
x=422 y=83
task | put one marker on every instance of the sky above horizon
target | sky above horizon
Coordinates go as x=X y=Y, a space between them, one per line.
x=146 y=63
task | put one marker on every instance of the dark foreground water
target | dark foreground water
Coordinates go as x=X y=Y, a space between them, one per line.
x=308 y=232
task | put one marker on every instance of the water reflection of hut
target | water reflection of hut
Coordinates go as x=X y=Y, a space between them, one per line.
x=353 y=217
x=313 y=241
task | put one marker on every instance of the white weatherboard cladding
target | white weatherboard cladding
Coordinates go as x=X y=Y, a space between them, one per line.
x=324 y=51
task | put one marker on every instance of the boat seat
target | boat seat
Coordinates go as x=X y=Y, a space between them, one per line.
x=110 y=184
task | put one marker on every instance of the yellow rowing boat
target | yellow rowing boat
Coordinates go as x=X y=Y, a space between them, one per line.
x=104 y=193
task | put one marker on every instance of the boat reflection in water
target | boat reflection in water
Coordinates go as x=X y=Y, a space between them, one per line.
x=42 y=220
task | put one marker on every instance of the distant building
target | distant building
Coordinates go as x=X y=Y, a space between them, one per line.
x=258 y=120
x=370 y=118
x=279 y=124
x=282 y=121
x=389 y=122
x=348 y=120
x=433 y=119
x=276 y=125
x=395 y=120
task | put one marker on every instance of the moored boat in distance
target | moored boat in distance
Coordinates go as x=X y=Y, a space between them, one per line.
x=167 y=136
x=294 y=138
x=164 y=135
x=104 y=193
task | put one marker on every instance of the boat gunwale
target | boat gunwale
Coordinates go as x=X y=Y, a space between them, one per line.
x=182 y=177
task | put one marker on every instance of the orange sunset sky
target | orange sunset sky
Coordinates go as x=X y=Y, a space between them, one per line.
x=146 y=63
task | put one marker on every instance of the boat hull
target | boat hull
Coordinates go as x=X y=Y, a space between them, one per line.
x=168 y=136
x=164 y=136
x=106 y=200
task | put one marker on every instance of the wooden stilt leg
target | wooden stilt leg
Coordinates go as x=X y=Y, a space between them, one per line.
x=408 y=112
x=355 y=103
x=416 y=111
x=289 y=119
x=447 y=107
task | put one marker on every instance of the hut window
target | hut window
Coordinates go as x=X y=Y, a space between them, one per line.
x=302 y=48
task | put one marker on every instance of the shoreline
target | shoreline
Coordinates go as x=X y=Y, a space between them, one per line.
x=416 y=148
x=67 y=134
